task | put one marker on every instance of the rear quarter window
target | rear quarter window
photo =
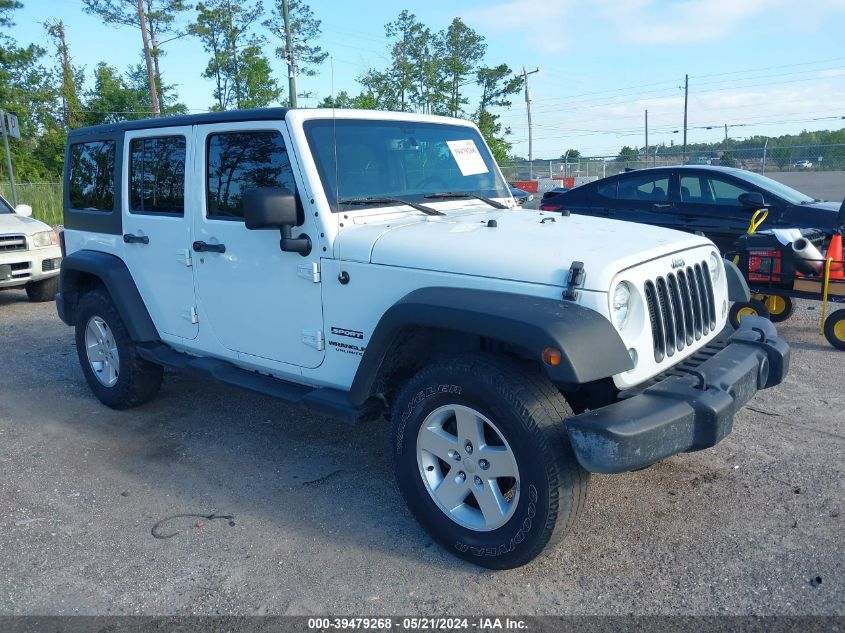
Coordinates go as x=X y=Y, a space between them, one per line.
x=91 y=180
x=606 y=190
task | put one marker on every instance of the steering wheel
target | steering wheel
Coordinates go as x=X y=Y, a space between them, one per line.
x=434 y=178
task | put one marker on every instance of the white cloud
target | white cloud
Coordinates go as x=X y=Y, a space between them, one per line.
x=555 y=25
x=541 y=23
x=685 y=21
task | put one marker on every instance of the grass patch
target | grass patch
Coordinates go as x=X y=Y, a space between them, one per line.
x=45 y=198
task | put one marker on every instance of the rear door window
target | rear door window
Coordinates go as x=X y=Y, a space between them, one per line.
x=645 y=188
x=91 y=180
x=607 y=189
x=157 y=175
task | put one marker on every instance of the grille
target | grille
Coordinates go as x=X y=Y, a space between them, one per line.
x=12 y=243
x=682 y=309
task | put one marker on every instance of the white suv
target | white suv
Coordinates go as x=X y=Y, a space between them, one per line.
x=30 y=256
x=372 y=263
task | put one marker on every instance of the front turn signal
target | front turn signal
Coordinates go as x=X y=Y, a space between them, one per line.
x=552 y=356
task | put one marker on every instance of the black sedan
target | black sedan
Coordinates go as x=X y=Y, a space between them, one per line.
x=520 y=196
x=717 y=201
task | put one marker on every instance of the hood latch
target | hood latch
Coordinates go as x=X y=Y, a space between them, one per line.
x=573 y=280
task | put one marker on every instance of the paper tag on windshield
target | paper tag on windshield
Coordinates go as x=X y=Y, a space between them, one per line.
x=467 y=156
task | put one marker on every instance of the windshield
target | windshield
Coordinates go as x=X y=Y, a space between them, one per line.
x=5 y=207
x=780 y=190
x=400 y=159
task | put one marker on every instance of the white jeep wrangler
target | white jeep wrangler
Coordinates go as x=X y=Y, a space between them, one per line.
x=370 y=263
x=29 y=253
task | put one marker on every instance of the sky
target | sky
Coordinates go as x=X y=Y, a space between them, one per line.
x=763 y=67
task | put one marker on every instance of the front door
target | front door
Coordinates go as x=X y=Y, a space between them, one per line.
x=712 y=204
x=258 y=300
x=157 y=227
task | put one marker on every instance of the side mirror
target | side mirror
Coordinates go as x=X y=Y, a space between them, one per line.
x=752 y=199
x=269 y=208
x=24 y=209
x=275 y=208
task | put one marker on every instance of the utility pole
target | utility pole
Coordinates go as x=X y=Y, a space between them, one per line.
x=289 y=57
x=528 y=107
x=686 y=102
x=150 y=73
x=5 y=130
x=726 y=137
x=646 y=138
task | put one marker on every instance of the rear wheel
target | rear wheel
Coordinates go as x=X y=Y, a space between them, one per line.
x=484 y=461
x=117 y=375
x=44 y=290
x=834 y=329
x=780 y=308
x=741 y=309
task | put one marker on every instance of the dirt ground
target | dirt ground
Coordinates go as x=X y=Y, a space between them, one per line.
x=752 y=526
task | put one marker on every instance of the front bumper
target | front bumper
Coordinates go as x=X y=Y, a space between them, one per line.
x=18 y=268
x=690 y=410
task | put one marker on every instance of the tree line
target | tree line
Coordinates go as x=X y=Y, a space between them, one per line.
x=427 y=71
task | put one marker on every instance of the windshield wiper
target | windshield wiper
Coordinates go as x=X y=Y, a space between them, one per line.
x=382 y=200
x=464 y=194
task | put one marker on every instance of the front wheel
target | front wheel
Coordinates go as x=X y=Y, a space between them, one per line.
x=44 y=290
x=484 y=461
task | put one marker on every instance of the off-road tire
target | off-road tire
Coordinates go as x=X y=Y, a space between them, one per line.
x=138 y=380
x=529 y=410
x=44 y=290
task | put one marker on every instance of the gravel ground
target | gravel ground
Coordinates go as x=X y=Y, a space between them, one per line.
x=753 y=526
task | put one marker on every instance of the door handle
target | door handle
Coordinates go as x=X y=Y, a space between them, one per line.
x=129 y=238
x=662 y=206
x=201 y=247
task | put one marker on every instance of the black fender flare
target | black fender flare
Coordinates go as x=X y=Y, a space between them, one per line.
x=737 y=286
x=115 y=276
x=592 y=349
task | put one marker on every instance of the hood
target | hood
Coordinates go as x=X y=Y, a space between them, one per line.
x=816 y=215
x=14 y=223
x=527 y=246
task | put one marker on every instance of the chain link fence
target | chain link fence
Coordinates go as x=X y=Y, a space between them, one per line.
x=759 y=159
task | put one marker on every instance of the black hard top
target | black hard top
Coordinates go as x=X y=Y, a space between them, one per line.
x=229 y=116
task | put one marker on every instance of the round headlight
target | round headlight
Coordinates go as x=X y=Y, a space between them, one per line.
x=715 y=264
x=620 y=303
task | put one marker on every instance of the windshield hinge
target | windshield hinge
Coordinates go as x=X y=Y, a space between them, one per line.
x=309 y=271
x=573 y=280
x=191 y=314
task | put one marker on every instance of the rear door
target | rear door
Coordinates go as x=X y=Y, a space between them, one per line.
x=644 y=198
x=157 y=226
